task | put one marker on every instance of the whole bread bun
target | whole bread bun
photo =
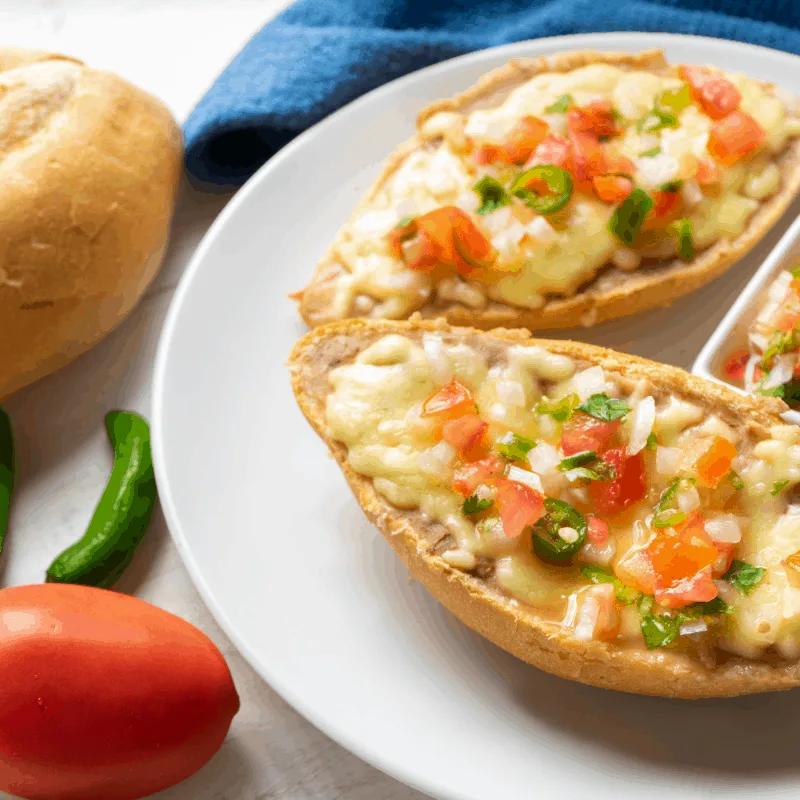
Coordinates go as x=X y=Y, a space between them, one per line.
x=89 y=167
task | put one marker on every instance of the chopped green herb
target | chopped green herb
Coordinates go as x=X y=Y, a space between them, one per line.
x=627 y=219
x=474 y=505
x=665 y=515
x=778 y=487
x=646 y=605
x=796 y=272
x=682 y=229
x=744 y=576
x=578 y=460
x=601 y=406
x=514 y=447
x=790 y=392
x=405 y=222
x=707 y=609
x=652 y=442
x=669 y=519
x=651 y=153
x=676 y=99
x=735 y=480
x=657 y=119
x=659 y=631
x=671 y=186
x=560 y=410
x=625 y=594
x=491 y=193
x=780 y=343
x=561 y=105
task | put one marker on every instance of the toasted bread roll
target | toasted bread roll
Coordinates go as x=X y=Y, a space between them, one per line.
x=602 y=517
x=564 y=191
x=89 y=166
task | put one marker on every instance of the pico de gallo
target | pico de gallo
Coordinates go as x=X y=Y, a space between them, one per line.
x=771 y=366
x=616 y=508
x=573 y=172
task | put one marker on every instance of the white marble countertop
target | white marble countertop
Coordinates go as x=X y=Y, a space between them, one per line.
x=173 y=48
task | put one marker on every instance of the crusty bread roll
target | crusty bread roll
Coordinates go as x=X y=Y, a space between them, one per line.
x=89 y=167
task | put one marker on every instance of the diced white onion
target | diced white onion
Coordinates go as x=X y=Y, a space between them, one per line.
x=724 y=528
x=528 y=478
x=668 y=460
x=436 y=460
x=497 y=412
x=726 y=591
x=691 y=193
x=572 y=610
x=375 y=223
x=541 y=230
x=569 y=535
x=656 y=170
x=695 y=626
x=498 y=221
x=642 y=419
x=484 y=492
x=589 y=381
x=627 y=260
x=749 y=371
x=407 y=208
x=440 y=364
x=601 y=555
x=510 y=392
x=468 y=201
x=688 y=499
x=544 y=458
x=781 y=371
x=587 y=619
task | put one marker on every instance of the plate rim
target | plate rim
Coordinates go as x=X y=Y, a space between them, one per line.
x=395 y=769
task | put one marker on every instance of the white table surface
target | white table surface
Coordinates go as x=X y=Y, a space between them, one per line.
x=173 y=48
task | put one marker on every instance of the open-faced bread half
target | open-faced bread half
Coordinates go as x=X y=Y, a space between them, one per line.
x=563 y=191
x=608 y=519
x=89 y=167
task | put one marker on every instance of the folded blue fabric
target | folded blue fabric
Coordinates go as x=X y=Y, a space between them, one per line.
x=319 y=55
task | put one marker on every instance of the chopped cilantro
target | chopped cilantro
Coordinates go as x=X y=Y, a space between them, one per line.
x=514 y=447
x=625 y=594
x=578 y=460
x=561 y=105
x=474 y=505
x=796 y=272
x=405 y=222
x=560 y=410
x=578 y=465
x=657 y=119
x=601 y=406
x=651 y=153
x=660 y=630
x=671 y=186
x=743 y=576
x=778 y=487
x=735 y=480
x=652 y=442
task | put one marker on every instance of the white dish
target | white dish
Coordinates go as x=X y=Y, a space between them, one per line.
x=731 y=335
x=311 y=593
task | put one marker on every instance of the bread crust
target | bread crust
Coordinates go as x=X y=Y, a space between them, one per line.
x=514 y=627
x=612 y=293
x=89 y=169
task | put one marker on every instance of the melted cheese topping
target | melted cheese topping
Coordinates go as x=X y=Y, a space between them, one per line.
x=542 y=256
x=375 y=409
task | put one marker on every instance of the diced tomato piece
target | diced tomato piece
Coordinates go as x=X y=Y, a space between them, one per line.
x=583 y=432
x=618 y=164
x=707 y=173
x=447 y=236
x=449 y=402
x=588 y=157
x=630 y=486
x=699 y=588
x=519 y=506
x=795 y=285
x=715 y=463
x=468 y=477
x=464 y=433
x=726 y=551
x=635 y=569
x=715 y=94
x=596 y=530
x=553 y=150
x=735 y=366
x=612 y=188
x=519 y=144
x=667 y=204
x=595 y=118
x=788 y=321
x=607 y=624
x=734 y=137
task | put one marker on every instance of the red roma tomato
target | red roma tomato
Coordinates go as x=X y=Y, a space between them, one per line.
x=735 y=366
x=716 y=95
x=449 y=402
x=715 y=463
x=553 y=150
x=464 y=433
x=667 y=204
x=635 y=569
x=732 y=138
x=707 y=173
x=519 y=144
x=612 y=188
x=583 y=432
x=630 y=486
x=596 y=530
x=105 y=697
x=519 y=506
x=726 y=550
x=596 y=118
x=468 y=477
x=788 y=321
x=588 y=156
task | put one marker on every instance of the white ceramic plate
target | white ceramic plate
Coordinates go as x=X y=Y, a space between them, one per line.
x=311 y=593
x=731 y=335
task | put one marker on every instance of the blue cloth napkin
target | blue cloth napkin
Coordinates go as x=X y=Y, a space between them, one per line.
x=319 y=55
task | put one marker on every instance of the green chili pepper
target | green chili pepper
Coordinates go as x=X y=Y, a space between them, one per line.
x=122 y=515
x=559 y=186
x=545 y=539
x=682 y=229
x=628 y=218
x=6 y=472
